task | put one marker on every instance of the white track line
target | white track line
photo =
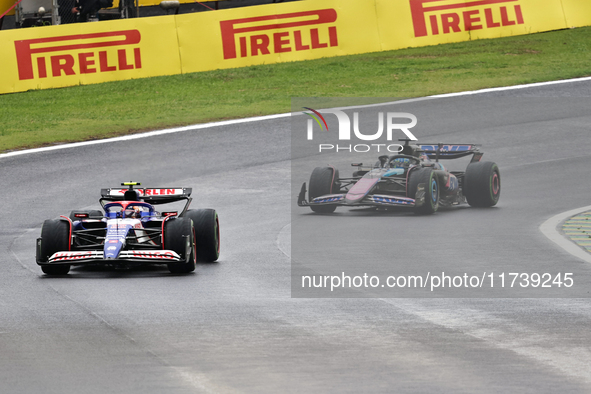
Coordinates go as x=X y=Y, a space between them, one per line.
x=550 y=230
x=144 y=135
x=270 y=117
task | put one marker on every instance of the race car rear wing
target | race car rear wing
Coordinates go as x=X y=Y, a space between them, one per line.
x=452 y=151
x=149 y=195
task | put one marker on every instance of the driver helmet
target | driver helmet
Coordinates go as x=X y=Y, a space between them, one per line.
x=400 y=162
x=132 y=212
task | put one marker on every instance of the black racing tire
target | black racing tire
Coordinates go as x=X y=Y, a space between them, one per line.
x=179 y=236
x=482 y=184
x=324 y=180
x=427 y=177
x=207 y=231
x=55 y=237
x=92 y=214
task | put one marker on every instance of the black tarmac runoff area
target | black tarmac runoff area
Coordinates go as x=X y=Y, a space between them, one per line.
x=245 y=325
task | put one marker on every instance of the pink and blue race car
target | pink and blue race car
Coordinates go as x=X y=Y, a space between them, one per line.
x=414 y=179
x=130 y=231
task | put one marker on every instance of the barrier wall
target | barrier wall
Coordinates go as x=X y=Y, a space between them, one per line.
x=5 y=5
x=67 y=55
x=151 y=3
x=57 y=56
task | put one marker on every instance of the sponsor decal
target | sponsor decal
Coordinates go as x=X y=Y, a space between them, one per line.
x=152 y=255
x=161 y=192
x=392 y=200
x=114 y=234
x=151 y=192
x=319 y=200
x=78 y=54
x=72 y=256
x=446 y=148
x=116 y=226
x=272 y=34
x=435 y=17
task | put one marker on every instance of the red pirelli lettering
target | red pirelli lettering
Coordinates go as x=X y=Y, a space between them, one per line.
x=85 y=61
x=104 y=62
x=471 y=20
x=42 y=67
x=281 y=43
x=63 y=63
x=122 y=57
x=447 y=18
x=260 y=43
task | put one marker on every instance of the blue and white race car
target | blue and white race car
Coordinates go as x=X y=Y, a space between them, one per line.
x=131 y=231
x=414 y=179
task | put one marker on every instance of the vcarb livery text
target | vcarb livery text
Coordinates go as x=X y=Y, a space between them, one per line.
x=248 y=36
x=78 y=54
x=445 y=17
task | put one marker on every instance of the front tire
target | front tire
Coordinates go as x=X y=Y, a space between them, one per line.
x=207 y=230
x=430 y=193
x=55 y=237
x=324 y=180
x=179 y=236
x=482 y=184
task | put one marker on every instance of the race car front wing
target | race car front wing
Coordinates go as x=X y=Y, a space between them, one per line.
x=75 y=257
x=376 y=200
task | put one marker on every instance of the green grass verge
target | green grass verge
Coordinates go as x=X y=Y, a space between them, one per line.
x=44 y=117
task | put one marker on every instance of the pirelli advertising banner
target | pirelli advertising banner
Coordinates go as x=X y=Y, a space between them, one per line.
x=431 y=22
x=5 y=5
x=67 y=55
x=577 y=12
x=277 y=33
x=56 y=56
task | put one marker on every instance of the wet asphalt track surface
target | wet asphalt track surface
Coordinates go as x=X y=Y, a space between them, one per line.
x=233 y=326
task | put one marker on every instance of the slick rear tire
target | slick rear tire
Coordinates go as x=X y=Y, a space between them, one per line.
x=179 y=236
x=324 y=180
x=207 y=231
x=482 y=184
x=428 y=178
x=55 y=237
